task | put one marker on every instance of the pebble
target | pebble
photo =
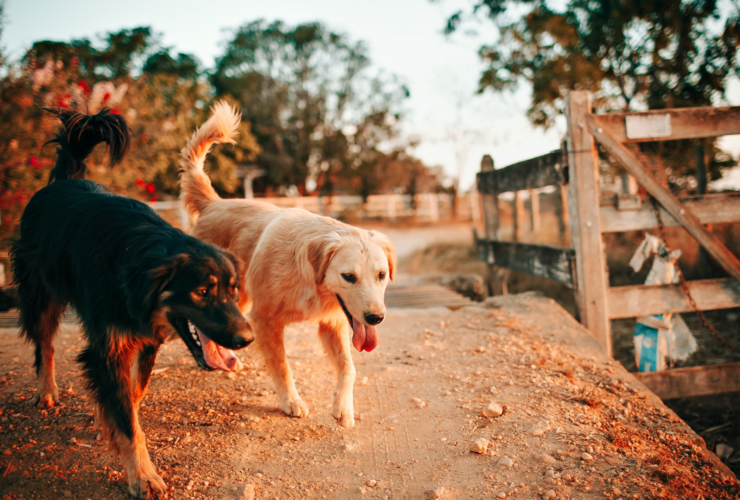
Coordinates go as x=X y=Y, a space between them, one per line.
x=587 y=457
x=502 y=495
x=190 y=485
x=545 y=459
x=479 y=445
x=420 y=403
x=435 y=493
x=372 y=483
x=506 y=462
x=492 y=410
x=249 y=493
x=550 y=494
x=364 y=381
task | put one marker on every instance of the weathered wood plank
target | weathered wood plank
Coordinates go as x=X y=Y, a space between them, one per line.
x=693 y=381
x=643 y=300
x=709 y=209
x=496 y=279
x=713 y=246
x=686 y=123
x=546 y=170
x=583 y=218
x=545 y=261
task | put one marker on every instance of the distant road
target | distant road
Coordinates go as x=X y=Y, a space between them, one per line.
x=410 y=239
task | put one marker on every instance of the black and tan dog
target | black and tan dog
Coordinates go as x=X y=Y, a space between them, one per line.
x=133 y=279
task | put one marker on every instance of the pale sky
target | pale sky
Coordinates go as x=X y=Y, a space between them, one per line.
x=403 y=36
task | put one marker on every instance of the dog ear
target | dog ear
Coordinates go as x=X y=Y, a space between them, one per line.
x=385 y=243
x=320 y=253
x=239 y=266
x=143 y=284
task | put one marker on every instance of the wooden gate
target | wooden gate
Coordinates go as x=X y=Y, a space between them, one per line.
x=576 y=166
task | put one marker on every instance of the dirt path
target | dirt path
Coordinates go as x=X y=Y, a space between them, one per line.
x=418 y=397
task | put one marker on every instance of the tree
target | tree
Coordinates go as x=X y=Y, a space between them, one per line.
x=163 y=105
x=630 y=55
x=303 y=89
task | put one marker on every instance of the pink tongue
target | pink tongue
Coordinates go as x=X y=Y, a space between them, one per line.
x=217 y=356
x=364 y=337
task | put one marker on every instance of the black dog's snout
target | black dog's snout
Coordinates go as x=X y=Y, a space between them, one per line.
x=373 y=319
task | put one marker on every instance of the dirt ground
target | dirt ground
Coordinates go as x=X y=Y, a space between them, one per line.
x=575 y=424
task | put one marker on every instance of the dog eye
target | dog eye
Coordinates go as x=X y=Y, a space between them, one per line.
x=201 y=292
x=349 y=278
x=381 y=275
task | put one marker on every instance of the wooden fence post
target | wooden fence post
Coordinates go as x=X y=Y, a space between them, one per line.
x=534 y=203
x=583 y=217
x=519 y=215
x=496 y=275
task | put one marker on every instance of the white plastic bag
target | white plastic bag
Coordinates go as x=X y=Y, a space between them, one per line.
x=662 y=336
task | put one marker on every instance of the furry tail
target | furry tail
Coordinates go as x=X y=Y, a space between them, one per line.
x=78 y=136
x=221 y=127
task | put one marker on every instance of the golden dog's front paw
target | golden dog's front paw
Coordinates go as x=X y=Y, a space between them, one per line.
x=149 y=487
x=295 y=407
x=345 y=414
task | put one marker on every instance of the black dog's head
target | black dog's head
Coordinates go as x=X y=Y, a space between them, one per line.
x=196 y=288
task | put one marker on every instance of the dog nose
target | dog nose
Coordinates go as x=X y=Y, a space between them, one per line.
x=373 y=319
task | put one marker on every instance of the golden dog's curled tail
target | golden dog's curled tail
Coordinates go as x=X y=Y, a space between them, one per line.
x=222 y=126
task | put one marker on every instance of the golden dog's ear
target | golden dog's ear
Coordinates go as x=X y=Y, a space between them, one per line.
x=320 y=253
x=389 y=249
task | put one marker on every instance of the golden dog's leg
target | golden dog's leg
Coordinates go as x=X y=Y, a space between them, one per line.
x=335 y=340
x=269 y=336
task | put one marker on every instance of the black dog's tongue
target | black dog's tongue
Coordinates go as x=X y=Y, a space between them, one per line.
x=364 y=337
x=217 y=356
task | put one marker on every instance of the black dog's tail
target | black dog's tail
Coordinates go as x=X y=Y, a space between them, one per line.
x=78 y=136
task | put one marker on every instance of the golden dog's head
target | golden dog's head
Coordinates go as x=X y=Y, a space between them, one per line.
x=356 y=267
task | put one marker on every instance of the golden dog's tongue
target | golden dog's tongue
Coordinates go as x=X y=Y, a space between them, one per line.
x=217 y=356
x=364 y=337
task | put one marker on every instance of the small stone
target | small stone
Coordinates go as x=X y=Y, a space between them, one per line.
x=419 y=402
x=264 y=393
x=364 y=381
x=67 y=494
x=506 y=462
x=502 y=495
x=363 y=490
x=480 y=349
x=545 y=459
x=550 y=494
x=492 y=410
x=479 y=445
x=590 y=449
x=568 y=477
x=372 y=483
x=249 y=493
x=436 y=493
x=587 y=457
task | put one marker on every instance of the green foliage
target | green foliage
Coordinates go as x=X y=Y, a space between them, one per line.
x=303 y=88
x=630 y=55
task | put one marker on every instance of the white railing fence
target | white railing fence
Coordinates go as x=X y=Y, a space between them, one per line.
x=422 y=207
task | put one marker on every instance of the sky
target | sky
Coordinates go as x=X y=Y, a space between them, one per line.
x=454 y=126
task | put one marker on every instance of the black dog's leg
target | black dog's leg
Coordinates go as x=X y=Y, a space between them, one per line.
x=118 y=377
x=40 y=315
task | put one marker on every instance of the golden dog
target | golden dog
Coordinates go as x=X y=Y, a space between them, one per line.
x=299 y=267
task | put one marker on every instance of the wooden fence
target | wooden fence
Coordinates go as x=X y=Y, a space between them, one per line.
x=422 y=207
x=583 y=265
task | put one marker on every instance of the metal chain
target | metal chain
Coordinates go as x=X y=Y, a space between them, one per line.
x=685 y=288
